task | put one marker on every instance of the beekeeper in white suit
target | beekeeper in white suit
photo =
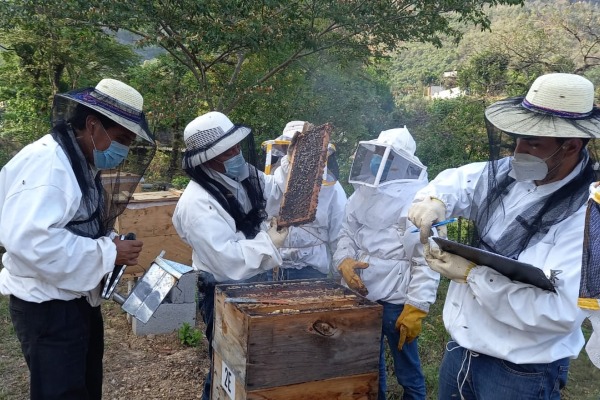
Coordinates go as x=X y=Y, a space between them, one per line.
x=57 y=213
x=589 y=286
x=307 y=250
x=221 y=214
x=511 y=340
x=381 y=258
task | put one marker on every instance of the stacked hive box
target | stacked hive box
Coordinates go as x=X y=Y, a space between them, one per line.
x=311 y=339
x=149 y=215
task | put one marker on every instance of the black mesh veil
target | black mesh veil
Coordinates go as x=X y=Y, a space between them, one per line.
x=249 y=223
x=105 y=194
x=530 y=226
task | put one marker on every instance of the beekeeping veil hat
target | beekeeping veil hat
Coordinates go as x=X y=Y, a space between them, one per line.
x=386 y=176
x=556 y=105
x=105 y=195
x=389 y=158
x=209 y=135
x=291 y=128
x=111 y=98
x=275 y=149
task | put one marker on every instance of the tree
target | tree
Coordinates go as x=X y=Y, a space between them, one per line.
x=170 y=102
x=217 y=40
x=449 y=133
x=43 y=57
x=485 y=73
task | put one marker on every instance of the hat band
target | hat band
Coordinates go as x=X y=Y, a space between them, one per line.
x=556 y=113
x=195 y=145
x=97 y=99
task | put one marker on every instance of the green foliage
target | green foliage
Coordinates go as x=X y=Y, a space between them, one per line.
x=158 y=168
x=13 y=371
x=180 y=182
x=189 y=336
x=222 y=42
x=523 y=43
x=170 y=102
x=43 y=56
x=449 y=133
x=485 y=73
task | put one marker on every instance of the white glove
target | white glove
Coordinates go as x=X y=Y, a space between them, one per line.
x=451 y=266
x=277 y=235
x=592 y=347
x=426 y=212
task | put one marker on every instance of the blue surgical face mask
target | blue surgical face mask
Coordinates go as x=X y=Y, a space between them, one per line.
x=111 y=157
x=376 y=163
x=235 y=166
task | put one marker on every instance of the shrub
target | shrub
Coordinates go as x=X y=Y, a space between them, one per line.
x=189 y=336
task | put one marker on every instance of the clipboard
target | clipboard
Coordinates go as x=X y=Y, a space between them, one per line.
x=512 y=269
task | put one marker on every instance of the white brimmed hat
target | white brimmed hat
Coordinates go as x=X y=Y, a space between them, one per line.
x=291 y=128
x=209 y=135
x=556 y=105
x=115 y=100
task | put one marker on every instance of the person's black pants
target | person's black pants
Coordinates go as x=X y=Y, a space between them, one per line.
x=63 y=345
x=207 y=310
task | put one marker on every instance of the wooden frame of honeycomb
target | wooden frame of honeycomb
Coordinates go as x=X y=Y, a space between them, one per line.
x=307 y=161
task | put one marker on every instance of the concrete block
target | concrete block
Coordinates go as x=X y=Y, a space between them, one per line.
x=167 y=318
x=185 y=290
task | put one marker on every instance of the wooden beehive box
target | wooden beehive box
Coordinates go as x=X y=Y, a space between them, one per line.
x=148 y=215
x=309 y=339
x=126 y=178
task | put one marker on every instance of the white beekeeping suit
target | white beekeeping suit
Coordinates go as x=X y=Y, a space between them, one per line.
x=308 y=249
x=376 y=224
x=379 y=256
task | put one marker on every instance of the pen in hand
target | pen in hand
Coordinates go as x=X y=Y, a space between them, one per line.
x=444 y=222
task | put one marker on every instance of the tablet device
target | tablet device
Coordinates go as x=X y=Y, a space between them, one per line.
x=512 y=269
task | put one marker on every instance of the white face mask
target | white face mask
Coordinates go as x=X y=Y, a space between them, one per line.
x=526 y=167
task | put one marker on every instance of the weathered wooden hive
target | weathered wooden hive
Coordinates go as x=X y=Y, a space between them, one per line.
x=309 y=339
x=148 y=215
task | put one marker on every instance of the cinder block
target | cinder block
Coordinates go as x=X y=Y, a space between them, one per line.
x=167 y=318
x=185 y=290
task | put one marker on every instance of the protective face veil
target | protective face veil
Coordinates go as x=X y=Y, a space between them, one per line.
x=526 y=167
x=376 y=163
x=235 y=167
x=110 y=158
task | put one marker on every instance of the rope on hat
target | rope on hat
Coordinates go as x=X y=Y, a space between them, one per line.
x=556 y=113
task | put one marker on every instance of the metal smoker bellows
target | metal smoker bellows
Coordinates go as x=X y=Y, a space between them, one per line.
x=150 y=290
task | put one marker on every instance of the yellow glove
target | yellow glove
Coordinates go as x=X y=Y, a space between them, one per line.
x=277 y=235
x=595 y=192
x=409 y=324
x=348 y=268
x=424 y=213
x=449 y=265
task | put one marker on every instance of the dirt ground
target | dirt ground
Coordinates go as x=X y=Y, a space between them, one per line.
x=152 y=366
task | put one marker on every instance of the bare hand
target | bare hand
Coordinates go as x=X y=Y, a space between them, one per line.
x=128 y=251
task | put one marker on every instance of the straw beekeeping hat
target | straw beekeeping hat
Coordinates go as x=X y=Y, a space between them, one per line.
x=113 y=99
x=556 y=105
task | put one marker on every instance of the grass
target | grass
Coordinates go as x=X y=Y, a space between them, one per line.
x=582 y=385
x=13 y=370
